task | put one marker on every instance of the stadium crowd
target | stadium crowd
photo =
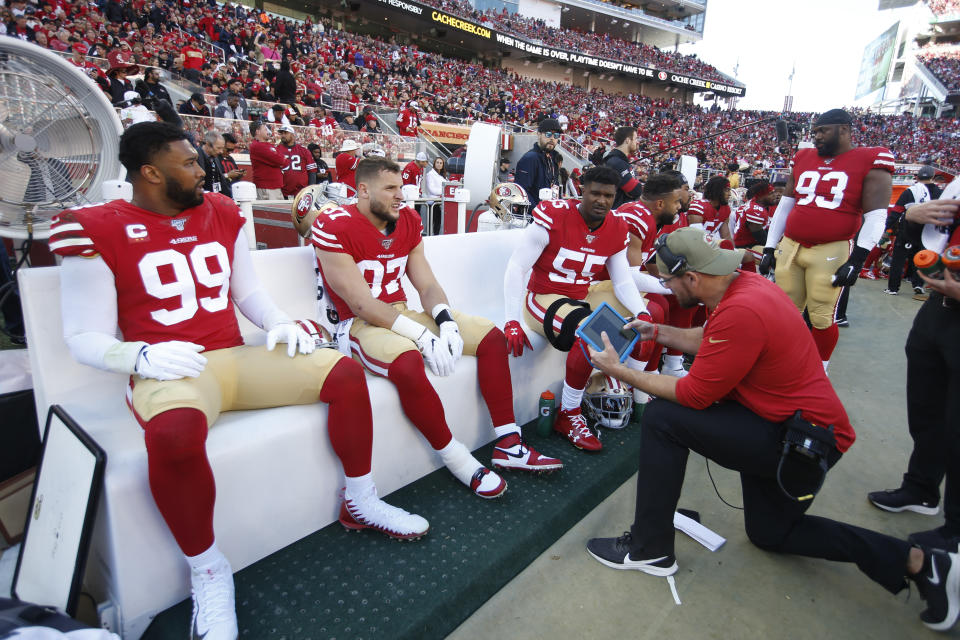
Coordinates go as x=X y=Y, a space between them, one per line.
x=596 y=44
x=943 y=60
x=349 y=73
x=944 y=7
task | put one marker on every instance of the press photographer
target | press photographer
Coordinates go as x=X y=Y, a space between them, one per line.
x=757 y=401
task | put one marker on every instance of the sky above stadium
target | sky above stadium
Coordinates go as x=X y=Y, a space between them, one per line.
x=825 y=38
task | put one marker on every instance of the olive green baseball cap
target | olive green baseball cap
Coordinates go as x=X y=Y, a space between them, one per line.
x=700 y=252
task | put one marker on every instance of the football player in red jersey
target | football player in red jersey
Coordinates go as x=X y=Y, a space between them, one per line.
x=301 y=168
x=711 y=212
x=363 y=251
x=567 y=246
x=832 y=191
x=754 y=219
x=659 y=203
x=166 y=270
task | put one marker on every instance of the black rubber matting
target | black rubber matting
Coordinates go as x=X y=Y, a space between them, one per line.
x=339 y=585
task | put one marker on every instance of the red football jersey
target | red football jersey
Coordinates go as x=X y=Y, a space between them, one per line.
x=382 y=259
x=412 y=173
x=678 y=222
x=575 y=254
x=641 y=224
x=712 y=216
x=300 y=164
x=828 y=192
x=172 y=274
x=346 y=164
x=754 y=213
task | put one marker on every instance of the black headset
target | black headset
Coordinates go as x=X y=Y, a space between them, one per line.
x=675 y=262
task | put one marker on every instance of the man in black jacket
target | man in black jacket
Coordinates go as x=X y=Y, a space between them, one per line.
x=618 y=159
x=151 y=90
x=537 y=168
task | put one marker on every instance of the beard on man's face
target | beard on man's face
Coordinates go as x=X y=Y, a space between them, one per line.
x=185 y=198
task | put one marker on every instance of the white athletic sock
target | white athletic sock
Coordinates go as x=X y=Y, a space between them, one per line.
x=360 y=485
x=205 y=559
x=673 y=362
x=636 y=365
x=506 y=429
x=459 y=461
x=571 y=398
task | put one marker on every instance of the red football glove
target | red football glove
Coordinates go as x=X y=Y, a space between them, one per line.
x=516 y=338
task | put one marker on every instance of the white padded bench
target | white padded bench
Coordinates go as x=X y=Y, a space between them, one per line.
x=277 y=476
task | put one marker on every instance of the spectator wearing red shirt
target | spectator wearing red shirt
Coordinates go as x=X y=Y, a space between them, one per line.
x=409 y=121
x=413 y=172
x=347 y=161
x=267 y=163
x=756 y=366
x=193 y=59
x=301 y=168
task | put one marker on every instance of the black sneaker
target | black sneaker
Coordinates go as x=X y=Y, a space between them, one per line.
x=843 y=322
x=615 y=553
x=902 y=499
x=939 y=585
x=939 y=538
x=918 y=290
x=890 y=292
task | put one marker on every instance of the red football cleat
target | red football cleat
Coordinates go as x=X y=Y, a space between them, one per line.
x=512 y=452
x=573 y=425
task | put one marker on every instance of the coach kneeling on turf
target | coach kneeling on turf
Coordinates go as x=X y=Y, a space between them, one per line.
x=757 y=379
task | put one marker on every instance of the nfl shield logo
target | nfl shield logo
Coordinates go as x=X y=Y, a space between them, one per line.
x=591 y=238
x=386 y=243
x=179 y=223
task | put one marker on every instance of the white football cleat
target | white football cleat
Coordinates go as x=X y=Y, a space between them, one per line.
x=214 y=610
x=678 y=372
x=370 y=512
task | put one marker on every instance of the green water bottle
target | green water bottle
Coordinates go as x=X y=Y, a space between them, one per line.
x=545 y=420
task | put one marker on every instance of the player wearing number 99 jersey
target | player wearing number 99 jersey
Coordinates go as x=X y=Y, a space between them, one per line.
x=568 y=245
x=167 y=269
x=364 y=250
x=832 y=191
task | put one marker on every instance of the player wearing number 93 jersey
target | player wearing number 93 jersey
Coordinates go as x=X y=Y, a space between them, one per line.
x=167 y=269
x=832 y=192
x=364 y=250
x=568 y=245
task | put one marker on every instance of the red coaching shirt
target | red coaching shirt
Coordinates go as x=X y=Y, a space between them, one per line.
x=172 y=274
x=575 y=254
x=829 y=191
x=382 y=259
x=757 y=351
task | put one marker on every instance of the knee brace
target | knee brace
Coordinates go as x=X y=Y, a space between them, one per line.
x=563 y=340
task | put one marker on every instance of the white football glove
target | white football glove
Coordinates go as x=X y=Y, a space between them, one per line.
x=296 y=338
x=436 y=352
x=450 y=338
x=170 y=360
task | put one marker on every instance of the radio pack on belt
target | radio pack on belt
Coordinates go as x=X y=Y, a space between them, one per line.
x=804 y=458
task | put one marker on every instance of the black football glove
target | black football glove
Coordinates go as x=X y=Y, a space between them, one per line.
x=767 y=262
x=849 y=271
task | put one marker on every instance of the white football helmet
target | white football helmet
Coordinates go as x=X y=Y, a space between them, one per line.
x=312 y=199
x=607 y=402
x=510 y=203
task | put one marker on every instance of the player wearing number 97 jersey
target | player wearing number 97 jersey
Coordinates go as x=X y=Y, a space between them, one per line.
x=364 y=250
x=832 y=192
x=167 y=269
x=568 y=245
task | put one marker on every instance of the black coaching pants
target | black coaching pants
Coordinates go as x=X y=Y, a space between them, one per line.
x=933 y=404
x=738 y=439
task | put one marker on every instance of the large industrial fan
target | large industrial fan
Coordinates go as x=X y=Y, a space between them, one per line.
x=59 y=136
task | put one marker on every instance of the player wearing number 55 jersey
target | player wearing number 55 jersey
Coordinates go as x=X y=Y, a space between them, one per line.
x=568 y=245
x=832 y=191
x=167 y=269
x=364 y=250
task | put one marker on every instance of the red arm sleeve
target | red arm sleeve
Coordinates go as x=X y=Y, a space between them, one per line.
x=732 y=342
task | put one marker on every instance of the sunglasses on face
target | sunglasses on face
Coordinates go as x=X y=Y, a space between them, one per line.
x=551 y=134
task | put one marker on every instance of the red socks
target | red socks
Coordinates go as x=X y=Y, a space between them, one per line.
x=493 y=371
x=180 y=477
x=578 y=367
x=349 y=418
x=826 y=340
x=419 y=399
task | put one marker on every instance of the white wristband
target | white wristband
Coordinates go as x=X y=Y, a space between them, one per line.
x=408 y=328
x=438 y=308
x=122 y=357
